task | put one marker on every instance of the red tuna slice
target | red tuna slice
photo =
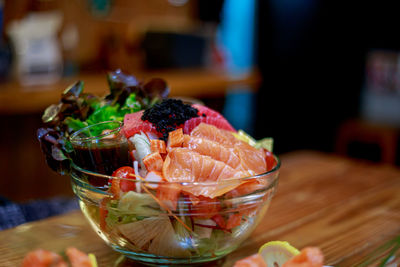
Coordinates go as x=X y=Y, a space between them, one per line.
x=207 y=111
x=133 y=124
x=219 y=122
x=209 y=116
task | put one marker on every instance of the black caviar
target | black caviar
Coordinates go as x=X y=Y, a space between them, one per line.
x=169 y=115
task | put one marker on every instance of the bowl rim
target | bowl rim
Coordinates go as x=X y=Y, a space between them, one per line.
x=110 y=178
x=73 y=138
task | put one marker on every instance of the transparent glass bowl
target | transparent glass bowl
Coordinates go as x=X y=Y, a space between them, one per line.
x=148 y=230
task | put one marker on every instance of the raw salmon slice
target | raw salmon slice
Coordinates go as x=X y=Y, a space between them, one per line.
x=252 y=159
x=77 y=258
x=219 y=122
x=186 y=166
x=251 y=261
x=212 y=133
x=308 y=257
x=169 y=194
x=248 y=187
x=43 y=258
x=213 y=149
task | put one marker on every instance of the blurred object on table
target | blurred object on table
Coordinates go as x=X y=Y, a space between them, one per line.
x=377 y=130
x=38 y=54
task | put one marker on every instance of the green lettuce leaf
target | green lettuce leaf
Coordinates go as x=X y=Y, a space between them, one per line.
x=103 y=113
x=132 y=104
x=74 y=124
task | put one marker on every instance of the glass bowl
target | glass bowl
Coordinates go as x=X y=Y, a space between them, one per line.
x=192 y=230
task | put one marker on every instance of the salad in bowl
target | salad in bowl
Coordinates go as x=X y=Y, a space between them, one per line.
x=160 y=180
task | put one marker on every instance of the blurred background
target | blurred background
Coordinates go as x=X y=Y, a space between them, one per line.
x=321 y=75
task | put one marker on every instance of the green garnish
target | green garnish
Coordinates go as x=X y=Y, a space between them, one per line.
x=266 y=143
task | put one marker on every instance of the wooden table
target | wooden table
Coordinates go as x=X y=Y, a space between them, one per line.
x=347 y=208
x=197 y=83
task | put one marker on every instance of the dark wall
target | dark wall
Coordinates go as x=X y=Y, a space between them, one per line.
x=312 y=59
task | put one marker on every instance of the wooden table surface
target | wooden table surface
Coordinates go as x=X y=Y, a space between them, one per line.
x=347 y=208
x=197 y=83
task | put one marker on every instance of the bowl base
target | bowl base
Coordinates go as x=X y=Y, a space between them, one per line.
x=132 y=259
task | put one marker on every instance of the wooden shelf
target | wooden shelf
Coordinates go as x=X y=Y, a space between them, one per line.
x=17 y=99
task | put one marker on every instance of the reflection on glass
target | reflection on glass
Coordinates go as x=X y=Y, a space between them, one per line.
x=101 y=147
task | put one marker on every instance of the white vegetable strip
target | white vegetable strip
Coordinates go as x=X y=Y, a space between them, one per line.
x=142 y=146
x=203 y=232
x=181 y=208
x=153 y=178
x=136 y=168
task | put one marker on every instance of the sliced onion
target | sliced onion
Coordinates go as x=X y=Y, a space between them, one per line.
x=204 y=227
x=136 y=168
x=153 y=178
x=142 y=146
x=156 y=233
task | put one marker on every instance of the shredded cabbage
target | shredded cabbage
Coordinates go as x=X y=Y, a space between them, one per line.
x=138 y=204
x=131 y=207
x=204 y=232
x=155 y=235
